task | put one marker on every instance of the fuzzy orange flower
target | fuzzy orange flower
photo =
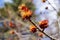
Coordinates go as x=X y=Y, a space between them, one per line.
x=24 y=11
x=26 y=15
x=33 y=28
x=43 y=24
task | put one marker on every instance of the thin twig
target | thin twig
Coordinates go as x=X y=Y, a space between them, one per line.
x=40 y=30
x=52 y=6
x=57 y=15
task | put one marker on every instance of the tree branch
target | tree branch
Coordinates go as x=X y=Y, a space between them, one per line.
x=40 y=30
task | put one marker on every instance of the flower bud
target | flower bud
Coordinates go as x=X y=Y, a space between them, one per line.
x=33 y=28
x=43 y=24
x=43 y=1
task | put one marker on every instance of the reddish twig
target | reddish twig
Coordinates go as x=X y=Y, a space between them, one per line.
x=41 y=30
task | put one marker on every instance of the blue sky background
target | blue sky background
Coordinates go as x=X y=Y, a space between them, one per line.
x=3 y=1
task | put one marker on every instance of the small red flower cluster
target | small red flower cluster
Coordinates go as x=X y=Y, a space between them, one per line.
x=43 y=24
x=12 y=25
x=33 y=28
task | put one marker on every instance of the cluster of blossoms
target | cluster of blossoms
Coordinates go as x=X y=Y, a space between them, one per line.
x=24 y=11
x=42 y=24
x=12 y=25
x=33 y=30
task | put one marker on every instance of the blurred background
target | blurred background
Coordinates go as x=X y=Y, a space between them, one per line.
x=50 y=10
